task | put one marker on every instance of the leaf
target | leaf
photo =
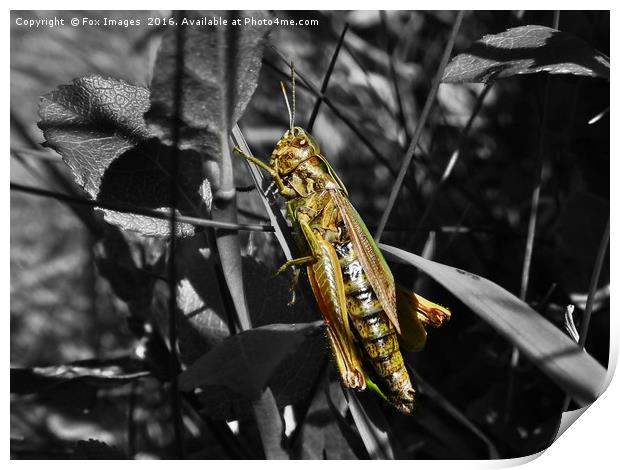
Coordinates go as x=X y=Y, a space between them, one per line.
x=220 y=71
x=202 y=325
x=572 y=369
x=270 y=425
x=202 y=322
x=96 y=124
x=245 y=362
x=99 y=373
x=92 y=122
x=526 y=49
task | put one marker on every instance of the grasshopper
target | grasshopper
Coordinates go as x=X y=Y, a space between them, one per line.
x=367 y=316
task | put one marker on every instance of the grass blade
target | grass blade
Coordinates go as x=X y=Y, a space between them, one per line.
x=598 y=266
x=371 y=426
x=270 y=426
x=557 y=356
x=154 y=213
x=272 y=205
x=418 y=131
x=328 y=74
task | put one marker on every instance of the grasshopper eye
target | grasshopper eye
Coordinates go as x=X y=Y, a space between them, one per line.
x=303 y=142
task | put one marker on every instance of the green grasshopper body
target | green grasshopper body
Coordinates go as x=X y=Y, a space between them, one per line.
x=365 y=313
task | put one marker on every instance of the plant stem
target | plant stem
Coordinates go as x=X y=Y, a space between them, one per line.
x=328 y=74
x=420 y=126
x=177 y=419
x=455 y=155
x=596 y=274
x=156 y=214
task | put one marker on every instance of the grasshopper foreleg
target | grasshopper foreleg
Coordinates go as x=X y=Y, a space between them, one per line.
x=254 y=160
x=277 y=179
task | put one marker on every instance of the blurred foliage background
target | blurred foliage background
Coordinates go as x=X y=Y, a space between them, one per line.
x=63 y=310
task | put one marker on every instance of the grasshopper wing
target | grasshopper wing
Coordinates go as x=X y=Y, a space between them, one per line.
x=413 y=333
x=370 y=257
x=333 y=174
x=414 y=313
x=328 y=287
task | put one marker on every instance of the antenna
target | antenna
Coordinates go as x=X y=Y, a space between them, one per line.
x=291 y=114
x=288 y=106
x=293 y=92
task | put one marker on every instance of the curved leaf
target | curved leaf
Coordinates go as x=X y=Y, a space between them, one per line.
x=563 y=361
x=526 y=49
x=201 y=317
x=96 y=124
x=270 y=425
x=202 y=325
x=220 y=72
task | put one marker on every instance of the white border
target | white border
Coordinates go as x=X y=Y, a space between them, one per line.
x=590 y=442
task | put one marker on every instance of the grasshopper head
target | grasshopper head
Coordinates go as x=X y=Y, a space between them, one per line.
x=295 y=146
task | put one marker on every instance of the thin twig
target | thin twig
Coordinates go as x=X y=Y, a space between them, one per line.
x=393 y=76
x=585 y=323
x=596 y=273
x=156 y=214
x=531 y=230
x=455 y=155
x=420 y=126
x=441 y=401
x=328 y=74
x=529 y=244
x=208 y=223
x=457 y=229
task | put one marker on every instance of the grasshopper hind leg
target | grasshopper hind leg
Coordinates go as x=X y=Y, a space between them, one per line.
x=293 y=287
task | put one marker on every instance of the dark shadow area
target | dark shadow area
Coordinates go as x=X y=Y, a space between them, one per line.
x=141 y=177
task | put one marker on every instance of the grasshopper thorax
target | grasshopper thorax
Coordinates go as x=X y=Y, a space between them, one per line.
x=295 y=147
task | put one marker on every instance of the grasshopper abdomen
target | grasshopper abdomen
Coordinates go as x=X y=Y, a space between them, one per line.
x=374 y=330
